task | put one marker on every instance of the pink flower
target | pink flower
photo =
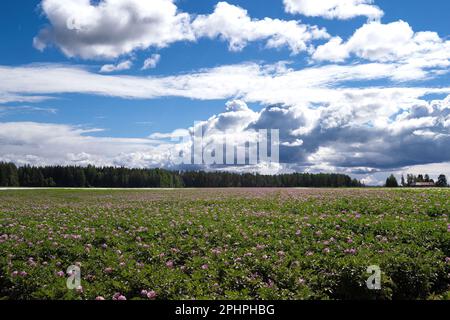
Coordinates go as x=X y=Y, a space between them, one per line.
x=205 y=267
x=144 y=293
x=14 y=273
x=108 y=270
x=60 y=274
x=447 y=259
x=119 y=296
x=327 y=250
x=169 y=264
x=298 y=233
x=152 y=295
x=23 y=274
x=99 y=298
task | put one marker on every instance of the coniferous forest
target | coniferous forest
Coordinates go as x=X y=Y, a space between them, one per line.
x=114 y=177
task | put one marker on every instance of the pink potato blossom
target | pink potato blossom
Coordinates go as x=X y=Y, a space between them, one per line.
x=151 y=295
x=118 y=296
x=108 y=270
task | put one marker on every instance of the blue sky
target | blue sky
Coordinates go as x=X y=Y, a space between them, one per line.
x=356 y=83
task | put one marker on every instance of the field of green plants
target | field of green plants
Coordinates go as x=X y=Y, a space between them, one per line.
x=225 y=244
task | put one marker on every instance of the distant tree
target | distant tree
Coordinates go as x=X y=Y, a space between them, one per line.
x=113 y=177
x=391 y=182
x=410 y=180
x=79 y=178
x=403 y=181
x=8 y=175
x=442 y=181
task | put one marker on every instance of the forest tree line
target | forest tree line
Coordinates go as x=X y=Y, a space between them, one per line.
x=412 y=180
x=114 y=177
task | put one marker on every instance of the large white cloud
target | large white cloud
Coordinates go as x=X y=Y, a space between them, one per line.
x=251 y=81
x=47 y=144
x=396 y=42
x=334 y=9
x=325 y=124
x=233 y=24
x=110 y=28
x=361 y=133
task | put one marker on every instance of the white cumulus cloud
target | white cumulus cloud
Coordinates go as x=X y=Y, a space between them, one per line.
x=151 y=62
x=111 y=28
x=396 y=42
x=233 y=24
x=124 y=65
x=334 y=9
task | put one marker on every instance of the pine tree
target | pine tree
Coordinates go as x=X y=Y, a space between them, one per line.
x=391 y=182
x=442 y=181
